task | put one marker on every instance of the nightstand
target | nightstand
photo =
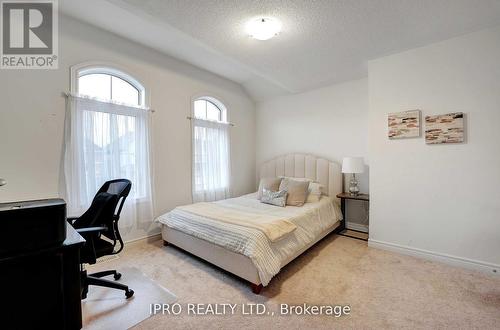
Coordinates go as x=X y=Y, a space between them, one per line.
x=349 y=232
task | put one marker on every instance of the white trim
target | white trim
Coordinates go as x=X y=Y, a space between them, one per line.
x=149 y=238
x=477 y=265
x=356 y=226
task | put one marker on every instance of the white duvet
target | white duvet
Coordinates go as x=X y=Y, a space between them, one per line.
x=311 y=220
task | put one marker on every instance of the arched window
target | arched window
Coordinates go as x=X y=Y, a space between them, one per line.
x=108 y=84
x=108 y=138
x=209 y=108
x=211 y=162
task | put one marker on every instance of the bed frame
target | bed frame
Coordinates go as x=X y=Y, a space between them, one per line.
x=292 y=165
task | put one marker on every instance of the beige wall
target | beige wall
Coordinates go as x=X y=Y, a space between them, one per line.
x=439 y=200
x=331 y=122
x=32 y=116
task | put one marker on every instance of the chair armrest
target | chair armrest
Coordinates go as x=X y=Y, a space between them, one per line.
x=90 y=229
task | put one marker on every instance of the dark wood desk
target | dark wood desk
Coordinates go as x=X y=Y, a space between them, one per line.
x=41 y=289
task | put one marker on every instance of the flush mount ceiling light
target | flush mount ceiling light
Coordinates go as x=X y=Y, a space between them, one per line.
x=263 y=28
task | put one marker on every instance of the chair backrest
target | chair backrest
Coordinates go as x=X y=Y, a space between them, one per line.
x=120 y=188
x=101 y=209
x=106 y=208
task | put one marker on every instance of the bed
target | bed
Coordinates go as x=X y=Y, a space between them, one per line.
x=252 y=253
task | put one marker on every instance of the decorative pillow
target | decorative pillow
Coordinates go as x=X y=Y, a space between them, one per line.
x=272 y=184
x=277 y=198
x=297 y=191
x=314 y=192
x=315 y=189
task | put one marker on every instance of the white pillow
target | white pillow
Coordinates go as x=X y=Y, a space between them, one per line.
x=315 y=192
x=315 y=189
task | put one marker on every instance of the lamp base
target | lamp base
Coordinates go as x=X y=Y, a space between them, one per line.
x=353 y=186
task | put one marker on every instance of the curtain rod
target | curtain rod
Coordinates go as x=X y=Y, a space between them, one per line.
x=191 y=118
x=66 y=94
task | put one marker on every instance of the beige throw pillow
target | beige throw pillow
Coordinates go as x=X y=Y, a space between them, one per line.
x=297 y=191
x=271 y=184
x=315 y=189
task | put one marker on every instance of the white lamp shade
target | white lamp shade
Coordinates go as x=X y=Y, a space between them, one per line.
x=353 y=165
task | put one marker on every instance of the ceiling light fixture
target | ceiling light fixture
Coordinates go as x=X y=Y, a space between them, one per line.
x=263 y=28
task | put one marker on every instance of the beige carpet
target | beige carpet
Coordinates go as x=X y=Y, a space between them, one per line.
x=107 y=308
x=384 y=289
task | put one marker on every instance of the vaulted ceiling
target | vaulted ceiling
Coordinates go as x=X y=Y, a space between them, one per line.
x=322 y=41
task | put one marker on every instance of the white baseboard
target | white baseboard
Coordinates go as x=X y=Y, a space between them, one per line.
x=356 y=226
x=149 y=238
x=481 y=266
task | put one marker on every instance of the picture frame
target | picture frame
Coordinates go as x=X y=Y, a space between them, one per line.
x=445 y=128
x=404 y=125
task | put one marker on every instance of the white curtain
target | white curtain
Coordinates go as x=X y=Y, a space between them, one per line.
x=211 y=161
x=105 y=141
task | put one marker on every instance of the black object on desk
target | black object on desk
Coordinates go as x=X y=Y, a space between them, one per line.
x=31 y=225
x=40 y=287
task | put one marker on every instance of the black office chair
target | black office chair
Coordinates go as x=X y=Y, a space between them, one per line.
x=99 y=226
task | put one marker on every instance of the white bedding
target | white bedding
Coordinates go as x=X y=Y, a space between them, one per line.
x=311 y=220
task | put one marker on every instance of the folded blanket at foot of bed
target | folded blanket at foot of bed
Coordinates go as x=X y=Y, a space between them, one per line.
x=274 y=227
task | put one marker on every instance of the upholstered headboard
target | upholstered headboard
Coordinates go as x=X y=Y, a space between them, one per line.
x=326 y=172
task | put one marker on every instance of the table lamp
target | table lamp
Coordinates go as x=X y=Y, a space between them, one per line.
x=353 y=165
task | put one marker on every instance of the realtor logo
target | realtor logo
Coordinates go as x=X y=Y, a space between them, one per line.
x=29 y=35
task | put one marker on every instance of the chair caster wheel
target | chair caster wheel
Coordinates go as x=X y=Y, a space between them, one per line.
x=117 y=276
x=129 y=293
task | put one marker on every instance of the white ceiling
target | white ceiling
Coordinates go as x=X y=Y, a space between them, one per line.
x=322 y=41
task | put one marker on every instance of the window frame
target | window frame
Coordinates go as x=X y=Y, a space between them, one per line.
x=215 y=101
x=93 y=67
x=221 y=105
x=110 y=69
